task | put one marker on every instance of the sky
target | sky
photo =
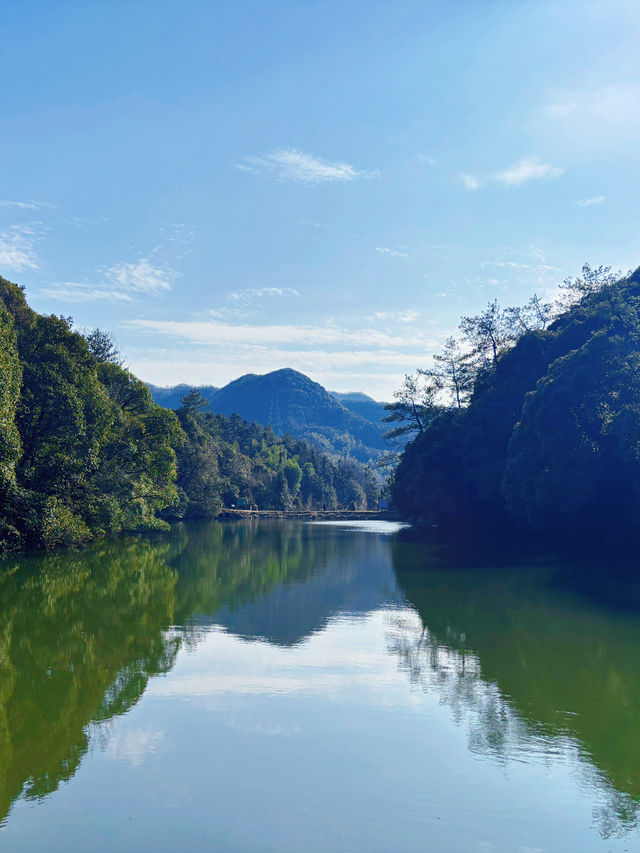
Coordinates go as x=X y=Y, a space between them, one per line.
x=234 y=187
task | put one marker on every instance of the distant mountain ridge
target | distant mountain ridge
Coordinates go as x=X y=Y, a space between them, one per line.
x=291 y=402
x=361 y=404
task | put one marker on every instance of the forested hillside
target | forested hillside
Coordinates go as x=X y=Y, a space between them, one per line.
x=85 y=451
x=290 y=402
x=225 y=461
x=83 y=448
x=540 y=428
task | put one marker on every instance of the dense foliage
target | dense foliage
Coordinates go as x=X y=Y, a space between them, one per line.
x=226 y=461
x=293 y=404
x=85 y=451
x=550 y=436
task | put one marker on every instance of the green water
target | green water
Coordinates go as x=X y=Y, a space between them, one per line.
x=295 y=687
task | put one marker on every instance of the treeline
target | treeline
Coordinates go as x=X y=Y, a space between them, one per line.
x=225 y=461
x=84 y=451
x=532 y=418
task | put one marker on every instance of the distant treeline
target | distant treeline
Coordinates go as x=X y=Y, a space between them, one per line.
x=532 y=419
x=84 y=451
x=225 y=461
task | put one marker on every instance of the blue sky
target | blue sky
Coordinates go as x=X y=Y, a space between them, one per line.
x=235 y=187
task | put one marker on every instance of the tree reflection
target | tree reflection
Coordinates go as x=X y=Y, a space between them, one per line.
x=81 y=635
x=533 y=669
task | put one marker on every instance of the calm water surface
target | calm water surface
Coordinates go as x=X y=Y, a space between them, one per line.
x=298 y=687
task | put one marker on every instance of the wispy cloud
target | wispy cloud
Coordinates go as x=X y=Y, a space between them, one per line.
x=289 y=164
x=27 y=205
x=604 y=118
x=469 y=182
x=248 y=295
x=220 y=333
x=245 y=301
x=588 y=202
x=392 y=253
x=408 y=316
x=17 y=248
x=527 y=169
x=612 y=103
x=518 y=173
x=511 y=264
x=76 y=291
x=123 y=282
x=140 y=277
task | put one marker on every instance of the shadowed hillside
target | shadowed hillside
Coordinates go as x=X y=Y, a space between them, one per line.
x=290 y=402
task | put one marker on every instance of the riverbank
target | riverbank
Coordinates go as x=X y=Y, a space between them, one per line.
x=311 y=514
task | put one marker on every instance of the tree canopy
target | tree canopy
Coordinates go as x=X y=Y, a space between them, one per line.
x=84 y=450
x=550 y=436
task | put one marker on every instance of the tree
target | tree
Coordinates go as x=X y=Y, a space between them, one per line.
x=486 y=334
x=103 y=347
x=193 y=402
x=415 y=403
x=550 y=440
x=592 y=280
x=535 y=315
x=454 y=371
x=199 y=482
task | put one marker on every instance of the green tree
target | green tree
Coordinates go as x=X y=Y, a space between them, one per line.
x=103 y=347
x=414 y=404
x=454 y=371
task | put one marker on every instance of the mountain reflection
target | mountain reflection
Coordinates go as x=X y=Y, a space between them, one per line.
x=227 y=572
x=82 y=633
x=533 y=669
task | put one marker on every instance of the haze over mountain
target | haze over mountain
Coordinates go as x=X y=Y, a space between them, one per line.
x=290 y=402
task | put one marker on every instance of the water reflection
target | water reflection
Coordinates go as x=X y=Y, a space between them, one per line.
x=81 y=636
x=533 y=671
x=82 y=633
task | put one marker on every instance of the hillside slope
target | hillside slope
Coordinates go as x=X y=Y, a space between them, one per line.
x=361 y=404
x=290 y=402
x=550 y=440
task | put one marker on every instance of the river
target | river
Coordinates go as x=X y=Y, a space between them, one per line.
x=287 y=686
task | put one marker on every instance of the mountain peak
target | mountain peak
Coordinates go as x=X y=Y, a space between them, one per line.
x=291 y=402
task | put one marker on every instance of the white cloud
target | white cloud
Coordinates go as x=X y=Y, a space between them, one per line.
x=122 y=282
x=245 y=301
x=613 y=103
x=391 y=253
x=469 y=182
x=17 y=249
x=213 y=332
x=518 y=173
x=603 y=118
x=75 y=291
x=588 y=202
x=527 y=169
x=247 y=295
x=512 y=264
x=288 y=164
x=399 y=316
x=26 y=205
x=139 y=277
